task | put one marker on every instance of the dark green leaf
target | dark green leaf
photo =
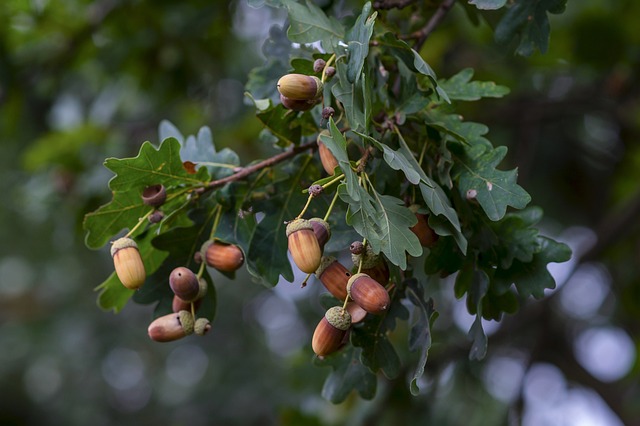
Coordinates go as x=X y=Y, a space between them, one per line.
x=357 y=40
x=352 y=98
x=478 y=340
x=284 y=124
x=461 y=88
x=452 y=124
x=515 y=236
x=420 y=333
x=495 y=189
x=310 y=24
x=348 y=374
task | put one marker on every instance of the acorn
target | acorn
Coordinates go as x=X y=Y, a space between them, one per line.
x=178 y=305
x=373 y=264
x=297 y=104
x=154 y=195
x=222 y=256
x=300 y=87
x=328 y=335
x=423 y=231
x=171 y=327
x=322 y=230
x=334 y=276
x=303 y=245
x=357 y=313
x=184 y=284
x=319 y=64
x=368 y=293
x=128 y=263
x=329 y=162
x=202 y=326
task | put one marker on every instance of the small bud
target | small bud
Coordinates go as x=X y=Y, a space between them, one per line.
x=128 y=263
x=184 y=284
x=356 y=247
x=156 y=216
x=197 y=257
x=202 y=326
x=368 y=293
x=328 y=112
x=300 y=87
x=373 y=264
x=330 y=71
x=154 y=195
x=222 y=256
x=315 y=190
x=472 y=194
x=303 y=245
x=330 y=331
x=319 y=64
x=171 y=327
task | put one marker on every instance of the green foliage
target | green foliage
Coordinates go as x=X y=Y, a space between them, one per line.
x=399 y=145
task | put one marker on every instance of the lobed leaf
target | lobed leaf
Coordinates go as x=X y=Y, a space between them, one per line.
x=461 y=88
x=357 y=39
x=420 y=332
x=308 y=24
x=348 y=375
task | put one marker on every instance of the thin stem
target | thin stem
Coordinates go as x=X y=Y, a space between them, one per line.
x=223 y=165
x=140 y=222
x=327 y=65
x=364 y=246
x=306 y=206
x=332 y=181
x=333 y=203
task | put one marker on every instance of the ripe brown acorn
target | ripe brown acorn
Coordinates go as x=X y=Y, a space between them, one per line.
x=322 y=230
x=357 y=313
x=303 y=245
x=297 y=104
x=178 y=304
x=328 y=335
x=128 y=263
x=300 y=87
x=423 y=231
x=171 y=327
x=368 y=293
x=154 y=195
x=329 y=162
x=184 y=284
x=334 y=276
x=224 y=257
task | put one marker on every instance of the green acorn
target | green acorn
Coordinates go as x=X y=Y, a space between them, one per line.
x=300 y=87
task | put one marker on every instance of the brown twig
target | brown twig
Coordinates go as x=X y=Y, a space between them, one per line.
x=392 y=4
x=422 y=34
x=246 y=171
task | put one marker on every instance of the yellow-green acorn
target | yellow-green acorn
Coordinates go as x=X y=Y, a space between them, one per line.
x=334 y=276
x=171 y=327
x=300 y=87
x=303 y=245
x=128 y=263
x=330 y=331
x=368 y=293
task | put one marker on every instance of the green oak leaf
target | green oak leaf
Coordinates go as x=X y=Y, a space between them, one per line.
x=488 y=4
x=352 y=96
x=461 y=88
x=532 y=278
x=451 y=124
x=308 y=24
x=286 y=125
x=357 y=39
x=516 y=238
x=495 y=189
x=113 y=295
x=528 y=20
x=348 y=375
x=423 y=316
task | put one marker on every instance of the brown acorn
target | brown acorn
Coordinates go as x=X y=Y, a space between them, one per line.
x=373 y=264
x=368 y=293
x=329 y=162
x=334 y=276
x=154 y=195
x=184 y=284
x=357 y=313
x=423 y=231
x=322 y=230
x=300 y=87
x=224 y=257
x=303 y=245
x=178 y=304
x=171 y=327
x=297 y=104
x=128 y=263
x=328 y=335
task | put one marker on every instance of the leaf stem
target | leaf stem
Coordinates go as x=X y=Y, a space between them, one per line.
x=328 y=64
x=306 y=206
x=333 y=203
x=140 y=221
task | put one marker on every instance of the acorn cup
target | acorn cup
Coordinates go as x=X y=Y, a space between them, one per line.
x=128 y=263
x=202 y=326
x=334 y=276
x=368 y=293
x=171 y=327
x=328 y=160
x=373 y=264
x=184 y=284
x=154 y=195
x=300 y=87
x=330 y=331
x=322 y=230
x=421 y=229
x=223 y=257
x=303 y=245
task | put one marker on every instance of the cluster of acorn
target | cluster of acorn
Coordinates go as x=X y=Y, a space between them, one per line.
x=300 y=92
x=187 y=287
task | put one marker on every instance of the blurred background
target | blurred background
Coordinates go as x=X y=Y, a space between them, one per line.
x=82 y=80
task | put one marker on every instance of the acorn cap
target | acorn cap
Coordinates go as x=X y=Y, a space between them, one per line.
x=369 y=258
x=122 y=243
x=187 y=322
x=297 y=225
x=322 y=222
x=202 y=326
x=338 y=318
x=154 y=195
